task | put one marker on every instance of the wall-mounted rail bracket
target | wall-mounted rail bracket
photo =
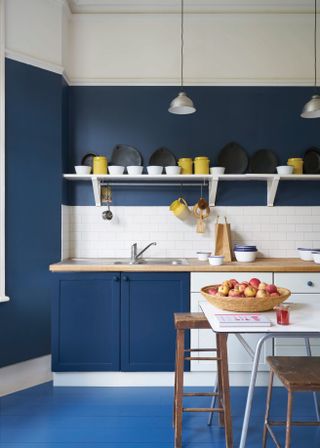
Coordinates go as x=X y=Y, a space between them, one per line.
x=96 y=186
x=213 y=188
x=272 y=186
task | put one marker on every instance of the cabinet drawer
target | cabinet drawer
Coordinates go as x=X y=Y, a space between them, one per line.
x=200 y=279
x=299 y=283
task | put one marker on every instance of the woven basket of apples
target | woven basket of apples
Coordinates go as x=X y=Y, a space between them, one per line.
x=252 y=296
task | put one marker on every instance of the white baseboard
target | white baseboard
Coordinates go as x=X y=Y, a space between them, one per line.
x=148 y=379
x=25 y=374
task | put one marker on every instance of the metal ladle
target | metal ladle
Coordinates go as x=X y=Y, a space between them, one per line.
x=107 y=214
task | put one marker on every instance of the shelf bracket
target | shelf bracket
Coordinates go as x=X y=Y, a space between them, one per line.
x=272 y=185
x=213 y=188
x=96 y=185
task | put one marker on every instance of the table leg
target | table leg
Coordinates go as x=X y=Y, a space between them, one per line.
x=251 y=390
x=315 y=398
x=222 y=344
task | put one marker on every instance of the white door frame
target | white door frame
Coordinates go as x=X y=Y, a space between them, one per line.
x=3 y=297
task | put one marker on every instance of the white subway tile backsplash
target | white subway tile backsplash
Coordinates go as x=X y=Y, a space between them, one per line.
x=277 y=231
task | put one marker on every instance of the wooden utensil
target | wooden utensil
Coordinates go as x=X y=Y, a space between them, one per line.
x=201 y=214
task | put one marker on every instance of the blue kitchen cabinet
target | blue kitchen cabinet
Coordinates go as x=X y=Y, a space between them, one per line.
x=117 y=322
x=86 y=322
x=148 y=301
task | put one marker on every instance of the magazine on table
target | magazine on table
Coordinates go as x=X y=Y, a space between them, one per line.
x=242 y=320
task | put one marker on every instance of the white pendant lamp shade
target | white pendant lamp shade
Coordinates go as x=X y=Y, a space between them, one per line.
x=182 y=105
x=312 y=108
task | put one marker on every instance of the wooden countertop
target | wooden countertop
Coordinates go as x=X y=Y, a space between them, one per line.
x=260 y=265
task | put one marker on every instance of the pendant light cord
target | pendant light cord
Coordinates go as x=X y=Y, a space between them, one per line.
x=182 y=43
x=315 y=44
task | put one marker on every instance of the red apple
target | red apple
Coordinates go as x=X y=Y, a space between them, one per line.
x=271 y=289
x=274 y=294
x=261 y=293
x=223 y=289
x=233 y=282
x=235 y=293
x=262 y=286
x=250 y=291
x=212 y=291
x=255 y=282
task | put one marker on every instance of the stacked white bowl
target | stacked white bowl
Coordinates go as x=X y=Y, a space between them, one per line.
x=245 y=253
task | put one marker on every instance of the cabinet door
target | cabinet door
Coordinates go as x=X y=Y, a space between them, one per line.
x=86 y=322
x=239 y=360
x=148 y=301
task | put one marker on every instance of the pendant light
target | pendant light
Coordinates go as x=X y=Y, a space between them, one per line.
x=182 y=104
x=312 y=108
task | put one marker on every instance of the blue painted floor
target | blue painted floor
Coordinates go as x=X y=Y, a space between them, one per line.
x=48 y=417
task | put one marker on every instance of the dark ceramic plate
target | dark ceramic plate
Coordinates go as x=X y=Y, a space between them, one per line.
x=234 y=158
x=125 y=155
x=88 y=159
x=162 y=157
x=311 y=161
x=263 y=161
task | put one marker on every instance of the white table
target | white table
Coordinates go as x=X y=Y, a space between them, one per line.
x=304 y=323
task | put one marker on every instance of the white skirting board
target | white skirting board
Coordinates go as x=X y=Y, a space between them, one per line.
x=148 y=379
x=25 y=374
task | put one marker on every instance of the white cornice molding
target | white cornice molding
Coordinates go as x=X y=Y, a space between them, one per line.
x=226 y=81
x=30 y=60
x=191 y=6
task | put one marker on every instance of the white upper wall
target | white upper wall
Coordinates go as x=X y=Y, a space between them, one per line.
x=226 y=43
x=34 y=32
x=229 y=48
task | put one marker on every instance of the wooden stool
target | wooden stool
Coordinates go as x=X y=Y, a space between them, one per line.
x=297 y=373
x=188 y=321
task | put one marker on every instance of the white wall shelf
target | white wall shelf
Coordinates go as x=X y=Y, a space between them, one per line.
x=212 y=182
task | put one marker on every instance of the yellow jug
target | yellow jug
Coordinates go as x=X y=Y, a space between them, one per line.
x=186 y=165
x=201 y=165
x=297 y=163
x=180 y=208
x=100 y=165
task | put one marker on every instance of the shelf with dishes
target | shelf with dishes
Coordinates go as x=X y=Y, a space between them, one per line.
x=208 y=180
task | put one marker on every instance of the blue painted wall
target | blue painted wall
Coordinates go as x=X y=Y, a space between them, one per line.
x=34 y=137
x=256 y=117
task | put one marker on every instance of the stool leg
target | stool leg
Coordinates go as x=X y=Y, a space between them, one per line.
x=213 y=400
x=266 y=418
x=289 y=415
x=175 y=384
x=178 y=402
x=222 y=343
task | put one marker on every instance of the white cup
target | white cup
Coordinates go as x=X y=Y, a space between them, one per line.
x=116 y=169
x=217 y=170
x=134 y=169
x=82 y=169
x=154 y=169
x=173 y=169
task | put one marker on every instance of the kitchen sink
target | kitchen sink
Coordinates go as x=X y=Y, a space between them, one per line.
x=142 y=261
x=164 y=261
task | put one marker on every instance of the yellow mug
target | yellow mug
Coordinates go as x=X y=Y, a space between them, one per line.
x=201 y=165
x=297 y=164
x=100 y=165
x=180 y=208
x=186 y=165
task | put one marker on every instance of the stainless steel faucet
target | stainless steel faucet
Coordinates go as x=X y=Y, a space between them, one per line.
x=134 y=255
